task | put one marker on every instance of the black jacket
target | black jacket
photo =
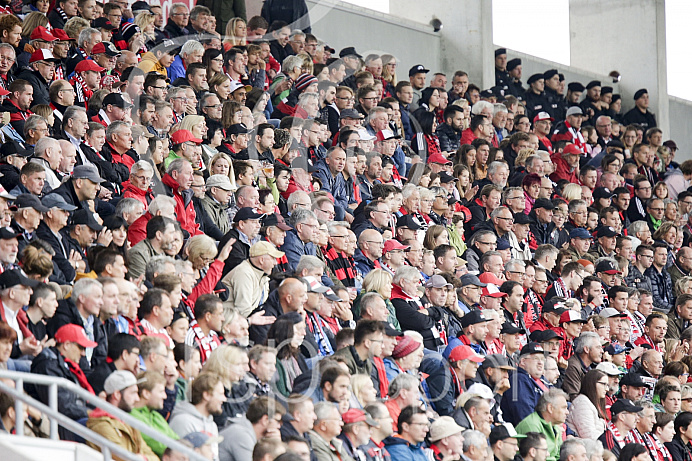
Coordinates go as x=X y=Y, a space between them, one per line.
x=62 y=252
x=51 y=363
x=98 y=376
x=540 y=231
x=293 y=12
x=239 y=253
x=40 y=86
x=67 y=313
x=173 y=30
x=10 y=176
x=272 y=306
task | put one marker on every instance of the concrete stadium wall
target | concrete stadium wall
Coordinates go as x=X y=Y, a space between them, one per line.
x=374 y=32
x=680 y=116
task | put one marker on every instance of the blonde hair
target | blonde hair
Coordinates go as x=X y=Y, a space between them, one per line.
x=219 y=360
x=32 y=21
x=143 y=20
x=307 y=66
x=189 y=121
x=358 y=382
x=200 y=245
x=571 y=192
x=231 y=172
x=389 y=78
x=377 y=280
x=231 y=39
x=523 y=155
x=36 y=261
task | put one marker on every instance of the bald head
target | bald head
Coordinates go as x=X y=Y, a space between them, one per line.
x=370 y=243
x=292 y=295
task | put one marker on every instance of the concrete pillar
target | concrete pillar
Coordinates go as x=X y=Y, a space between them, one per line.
x=467 y=34
x=626 y=36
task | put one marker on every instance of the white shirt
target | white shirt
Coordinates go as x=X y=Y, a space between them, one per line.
x=11 y=317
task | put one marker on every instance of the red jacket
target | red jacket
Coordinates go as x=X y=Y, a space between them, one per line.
x=144 y=196
x=184 y=209
x=467 y=136
x=562 y=170
x=137 y=231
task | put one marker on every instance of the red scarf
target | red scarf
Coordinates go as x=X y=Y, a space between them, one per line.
x=79 y=374
x=206 y=344
x=80 y=86
x=381 y=376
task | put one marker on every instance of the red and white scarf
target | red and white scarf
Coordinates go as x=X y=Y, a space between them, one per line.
x=83 y=93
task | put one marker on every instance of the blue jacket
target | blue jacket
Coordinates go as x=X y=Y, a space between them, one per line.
x=295 y=248
x=177 y=69
x=521 y=398
x=363 y=264
x=441 y=387
x=402 y=450
x=334 y=185
x=406 y=121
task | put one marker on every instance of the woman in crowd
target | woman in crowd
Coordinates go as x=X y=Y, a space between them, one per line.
x=236 y=34
x=588 y=414
x=287 y=333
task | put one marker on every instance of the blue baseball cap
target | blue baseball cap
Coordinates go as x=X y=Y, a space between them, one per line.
x=580 y=233
x=502 y=244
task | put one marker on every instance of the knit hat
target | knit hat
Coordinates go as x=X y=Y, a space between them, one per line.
x=404 y=347
x=129 y=30
x=304 y=81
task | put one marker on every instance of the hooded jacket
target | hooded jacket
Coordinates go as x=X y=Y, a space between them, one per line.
x=116 y=431
x=521 y=399
x=403 y=450
x=186 y=418
x=184 y=209
x=151 y=63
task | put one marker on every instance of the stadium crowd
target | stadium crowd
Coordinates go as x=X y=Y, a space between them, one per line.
x=271 y=251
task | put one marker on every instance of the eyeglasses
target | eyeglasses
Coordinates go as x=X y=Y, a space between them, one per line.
x=541 y=281
x=159 y=87
x=506 y=219
x=345 y=99
x=185 y=15
x=218 y=60
x=330 y=213
x=339 y=236
x=487 y=243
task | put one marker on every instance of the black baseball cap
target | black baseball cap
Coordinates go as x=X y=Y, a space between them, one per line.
x=541 y=336
x=389 y=330
x=14 y=277
x=86 y=217
x=117 y=100
x=606 y=231
x=417 y=69
x=12 y=147
x=102 y=23
x=7 y=233
x=30 y=201
x=246 y=213
x=408 y=222
x=472 y=318
x=633 y=380
x=521 y=218
x=624 y=405
x=508 y=328
x=349 y=51
x=532 y=348
x=543 y=203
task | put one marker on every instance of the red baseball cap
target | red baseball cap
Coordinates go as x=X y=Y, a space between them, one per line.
x=41 y=33
x=61 y=35
x=42 y=54
x=489 y=277
x=493 y=291
x=182 y=136
x=4 y=92
x=356 y=415
x=464 y=352
x=571 y=149
x=571 y=316
x=439 y=158
x=392 y=244
x=543 y=116
x=73 y=334
x=87 y=65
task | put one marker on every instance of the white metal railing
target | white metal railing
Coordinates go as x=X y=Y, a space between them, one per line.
x=56 y=419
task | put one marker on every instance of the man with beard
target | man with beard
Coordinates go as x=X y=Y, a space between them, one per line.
x=206 y=400
x=449 y=133
x=121 y=391
x=160 y=236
